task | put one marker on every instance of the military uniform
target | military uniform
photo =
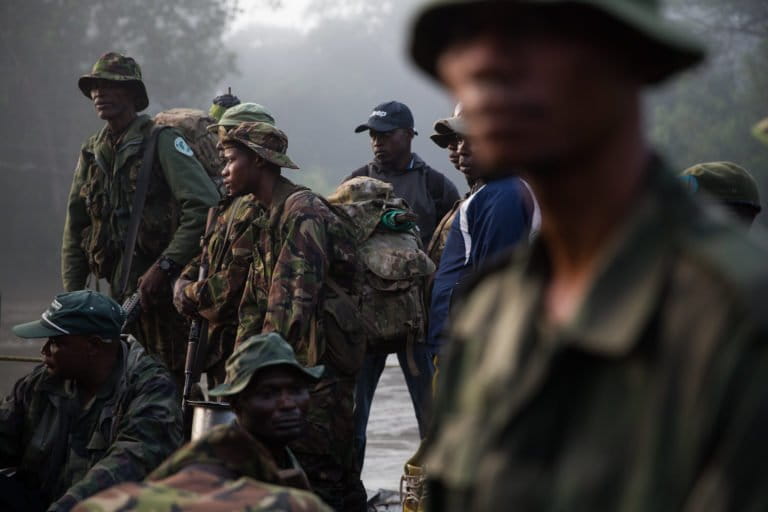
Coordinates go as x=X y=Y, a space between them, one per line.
x=297 y=247
x=651 y=399
x=196 y=490
x=70 y=451
x=99 y=210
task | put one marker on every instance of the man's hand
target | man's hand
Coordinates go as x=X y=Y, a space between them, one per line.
x=181 y=301
x=154 y=285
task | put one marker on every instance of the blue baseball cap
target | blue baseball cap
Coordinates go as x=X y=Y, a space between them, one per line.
x=388 y=116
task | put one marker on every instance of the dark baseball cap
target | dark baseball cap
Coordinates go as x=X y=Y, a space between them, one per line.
x=388 y=116
x=78 y=313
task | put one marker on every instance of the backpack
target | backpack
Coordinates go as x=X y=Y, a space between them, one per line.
x=193 y=125
x=389 y=288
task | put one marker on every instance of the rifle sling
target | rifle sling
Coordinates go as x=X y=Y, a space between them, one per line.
x=137 y=207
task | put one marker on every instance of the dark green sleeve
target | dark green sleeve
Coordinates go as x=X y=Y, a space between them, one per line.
x=148 y=431
x=192 y=189
x=12 y=411
x=74 y=263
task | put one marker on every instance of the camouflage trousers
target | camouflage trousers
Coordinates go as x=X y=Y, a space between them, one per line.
x=326 y=451
x=163 y=332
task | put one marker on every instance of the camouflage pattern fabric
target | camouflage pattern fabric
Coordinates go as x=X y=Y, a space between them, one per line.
x=264 y=139
x=117 y=68
x=69 y=452
x=232 y=448
x=653 y=397
x=98 y=213
x=202 y=491
x=229 y=245
x=296 y=247
x=193 y=126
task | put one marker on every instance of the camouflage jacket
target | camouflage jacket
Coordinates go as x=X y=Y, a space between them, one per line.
x=69 y=452
x=195 y=490
x=233 y=449
x=229 y=247
x=100 y=200
x=297 y=247
x=654 y=396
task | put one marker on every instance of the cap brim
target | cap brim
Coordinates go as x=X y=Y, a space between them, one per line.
x=441 y=139
x=377 y=126
x=34 y=330
x=226 y=389
x=673 y=49
x=85 y=82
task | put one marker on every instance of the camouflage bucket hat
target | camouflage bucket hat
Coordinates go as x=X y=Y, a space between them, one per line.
x=760 y=131
x=723 y=181
x=244 y=113
x=76 y=313
x=256 y=353
x=265 y=140
x=673 y=48
x=118 y=68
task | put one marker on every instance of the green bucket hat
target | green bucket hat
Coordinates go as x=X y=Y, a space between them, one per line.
x=244 y=113
x=264 y=139
x=674 y=49
x=118 y=68
x=723 y=181
x=256 y=353
x=760 y=131
x=80 y=313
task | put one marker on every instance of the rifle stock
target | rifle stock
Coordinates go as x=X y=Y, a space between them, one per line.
x=197 y=341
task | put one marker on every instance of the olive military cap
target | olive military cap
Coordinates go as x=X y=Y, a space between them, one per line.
x=117 y=68
x=83 y=312
x=447 y=129
x=673 y=49
x=256 y=353
x=723 y=181
x=264 y=139
x=244 y=113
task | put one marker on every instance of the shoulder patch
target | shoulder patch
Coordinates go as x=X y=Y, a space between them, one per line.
x=182 y=147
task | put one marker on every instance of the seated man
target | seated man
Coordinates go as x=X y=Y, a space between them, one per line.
x=99 y=411
x=269 y=392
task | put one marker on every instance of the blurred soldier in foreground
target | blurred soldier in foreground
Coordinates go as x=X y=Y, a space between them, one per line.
x=99 y=411
x=228 y=250
x=297 y=247
x=620 y=362
x=727 y=184
x=431 y=195
x=102 y=204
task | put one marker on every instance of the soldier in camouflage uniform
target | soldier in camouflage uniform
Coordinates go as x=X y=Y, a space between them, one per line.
x=100 y=201
x=726 y=184
x=98 y=412
x=228 y=249
x=197 y=490
x=297 y=247
x=620 y=362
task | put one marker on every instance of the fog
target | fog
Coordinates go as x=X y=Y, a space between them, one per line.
x=320 y=68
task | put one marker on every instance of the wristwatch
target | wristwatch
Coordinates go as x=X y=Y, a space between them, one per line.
x=169 y=266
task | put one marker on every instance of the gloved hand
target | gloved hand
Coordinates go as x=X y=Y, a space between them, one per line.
x=154 y=286
x=181 y=301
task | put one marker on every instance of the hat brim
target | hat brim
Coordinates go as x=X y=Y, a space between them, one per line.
x=377 y=126
x=442 y=139
x=279 y=159
x=35 y=330
x=85 y=83
x=226 y=389
x=673 y=49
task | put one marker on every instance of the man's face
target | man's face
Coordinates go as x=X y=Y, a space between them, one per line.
x=453 y=152
x=239 y=173
x=466 y=161
x=273 y=407
x=112 y=100
x=67 y=356
x=536 y=97
x=391 y=147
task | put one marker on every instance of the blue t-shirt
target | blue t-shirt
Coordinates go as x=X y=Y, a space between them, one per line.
x=496 y=217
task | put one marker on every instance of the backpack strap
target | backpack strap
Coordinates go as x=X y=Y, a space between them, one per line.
x=137 y=206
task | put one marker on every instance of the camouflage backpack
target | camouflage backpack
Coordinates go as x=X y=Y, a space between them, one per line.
x=193 y=126
x=390 y=285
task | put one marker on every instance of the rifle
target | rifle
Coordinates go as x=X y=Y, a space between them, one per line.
x=197 y=341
